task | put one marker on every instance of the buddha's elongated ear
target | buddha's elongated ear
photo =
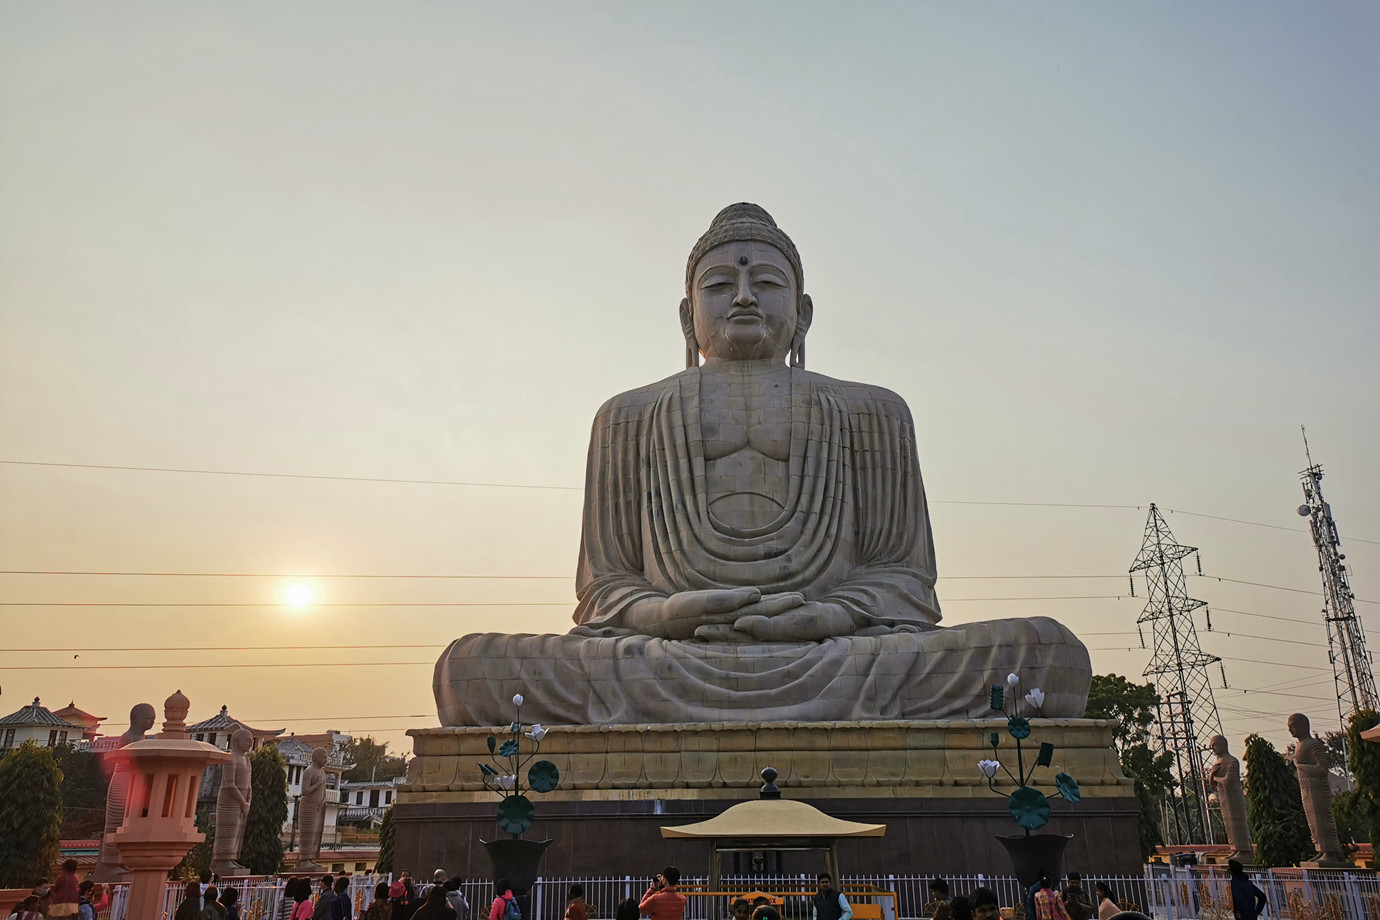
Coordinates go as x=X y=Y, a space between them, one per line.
x=804 y=316
x=687 y=328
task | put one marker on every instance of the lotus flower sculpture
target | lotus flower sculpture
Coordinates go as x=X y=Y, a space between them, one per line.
x=515 y=811
x=1027 y=805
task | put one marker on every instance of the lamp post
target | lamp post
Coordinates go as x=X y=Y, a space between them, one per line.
x=159 y=827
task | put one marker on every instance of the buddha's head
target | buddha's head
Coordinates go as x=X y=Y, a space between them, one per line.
x=1298 y=726
x=1218 y=745
x=142 y=717
x=318 y=757
x=242 y=740
x=744 y=294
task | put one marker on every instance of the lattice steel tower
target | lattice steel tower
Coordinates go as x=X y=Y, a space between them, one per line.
x=1187 y=712
x=1352 y=677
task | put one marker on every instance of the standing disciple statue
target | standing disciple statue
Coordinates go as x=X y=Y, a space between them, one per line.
x=108 y=866
x=312 y=809
x=1225 y=775
x=756 y=542
x=232 y=806
x=1310 y=759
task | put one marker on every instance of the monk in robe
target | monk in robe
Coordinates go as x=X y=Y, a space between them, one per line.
x=756 y=543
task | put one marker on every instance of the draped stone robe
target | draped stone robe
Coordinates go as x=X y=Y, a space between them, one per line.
x=853 y=530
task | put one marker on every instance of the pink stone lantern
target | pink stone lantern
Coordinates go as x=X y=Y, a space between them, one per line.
x=158 y=828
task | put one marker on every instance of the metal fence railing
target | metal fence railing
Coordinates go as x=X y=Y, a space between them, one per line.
x=1166 y=893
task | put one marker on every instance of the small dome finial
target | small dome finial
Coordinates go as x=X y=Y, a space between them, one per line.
x=769 y=790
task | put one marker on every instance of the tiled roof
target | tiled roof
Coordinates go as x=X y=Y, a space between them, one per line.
x=223 y=721
x=34 y=714
x=71 y=713
x=374 y=783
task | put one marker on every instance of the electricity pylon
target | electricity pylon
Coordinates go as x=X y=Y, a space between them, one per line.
x=1187 y=712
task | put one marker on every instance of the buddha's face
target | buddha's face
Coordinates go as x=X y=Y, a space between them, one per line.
x=1218 y=745
x=744 y=302
x=1298 y=725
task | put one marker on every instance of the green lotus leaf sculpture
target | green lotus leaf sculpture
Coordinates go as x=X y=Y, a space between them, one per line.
x=1018 y=728
x=1029 y=807
x=515 y=814
x=1067 y=786
x=543 y=776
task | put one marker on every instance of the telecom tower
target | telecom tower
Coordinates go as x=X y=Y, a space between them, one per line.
x=1346 y=640
x=1187 y=711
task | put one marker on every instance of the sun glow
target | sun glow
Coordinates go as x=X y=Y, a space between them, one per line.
x=299 y=595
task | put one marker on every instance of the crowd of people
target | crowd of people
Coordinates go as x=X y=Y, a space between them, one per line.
x=69 y=898
x=1043 y=902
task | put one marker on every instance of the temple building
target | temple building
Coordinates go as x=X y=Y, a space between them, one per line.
x=37 y=724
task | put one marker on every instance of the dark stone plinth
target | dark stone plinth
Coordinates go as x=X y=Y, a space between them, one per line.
x=944 y=836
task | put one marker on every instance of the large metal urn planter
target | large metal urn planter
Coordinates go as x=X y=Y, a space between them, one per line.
x=1034 y=855
x=515 y=861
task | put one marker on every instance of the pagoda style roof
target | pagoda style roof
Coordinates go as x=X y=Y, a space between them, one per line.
x=36 y=715
x=72 y=714
x=777 y=819
x=223 y=721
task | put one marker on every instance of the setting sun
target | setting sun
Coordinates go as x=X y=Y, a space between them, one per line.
x=299 y=595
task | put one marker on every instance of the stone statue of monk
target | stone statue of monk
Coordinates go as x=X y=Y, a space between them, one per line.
x=1310 y=760
x=756 y=543
x=232 y=806
x=1225 y=775
x=108 y=866
x=312 y=809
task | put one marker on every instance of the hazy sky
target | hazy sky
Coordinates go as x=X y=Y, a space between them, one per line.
x=1110 y=253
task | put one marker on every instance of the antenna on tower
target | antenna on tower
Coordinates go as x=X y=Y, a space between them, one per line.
x=1352 y=676
x=1187 y=711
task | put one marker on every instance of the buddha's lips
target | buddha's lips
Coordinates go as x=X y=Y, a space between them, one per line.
x=744 y=314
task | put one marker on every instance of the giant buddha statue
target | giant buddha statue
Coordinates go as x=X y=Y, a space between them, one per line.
x=756 y=543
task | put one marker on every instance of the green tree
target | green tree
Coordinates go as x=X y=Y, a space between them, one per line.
x=371 y=761
x=199 y=856
x=262 y=850
x=84 y=785
x=387 y=834
x=1274 y=806
x=1133 y=707
x=1362 y=806
x=30 y=815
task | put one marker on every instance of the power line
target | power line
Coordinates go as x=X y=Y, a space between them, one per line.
x=197 y=667
x=284 y=575
x=494 y=577
x=203 y=604
x=519 y=485
x=952 y=600
x=1257 y=584
x=411 y=482
x=219 y=648
x=1215 y=517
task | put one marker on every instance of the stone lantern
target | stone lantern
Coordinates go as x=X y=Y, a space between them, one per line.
x=158 y=828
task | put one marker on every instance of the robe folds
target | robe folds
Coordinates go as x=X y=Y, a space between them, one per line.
x=853 y=530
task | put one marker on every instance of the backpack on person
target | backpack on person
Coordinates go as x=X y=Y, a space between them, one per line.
x=511 y=911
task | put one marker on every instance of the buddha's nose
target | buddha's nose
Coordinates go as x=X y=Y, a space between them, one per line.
x=744 y=298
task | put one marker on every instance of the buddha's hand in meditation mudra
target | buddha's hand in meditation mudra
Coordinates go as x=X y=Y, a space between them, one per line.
x=728 y=614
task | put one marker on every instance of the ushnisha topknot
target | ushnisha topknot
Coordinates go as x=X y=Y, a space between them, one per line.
x=744 y=221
